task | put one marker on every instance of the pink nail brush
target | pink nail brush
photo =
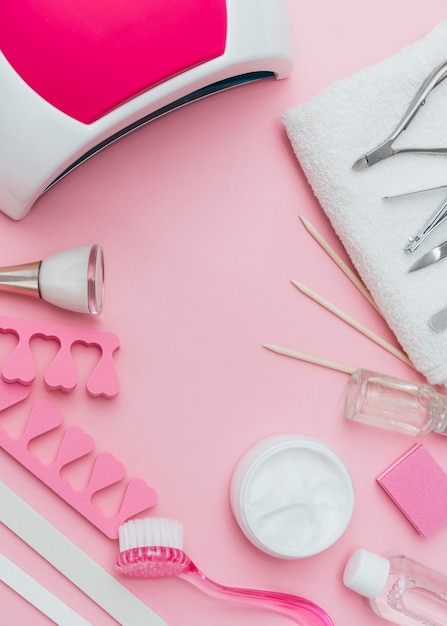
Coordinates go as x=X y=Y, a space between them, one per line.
x=153 y=548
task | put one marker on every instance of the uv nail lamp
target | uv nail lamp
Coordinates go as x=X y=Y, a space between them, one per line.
x=77 y=75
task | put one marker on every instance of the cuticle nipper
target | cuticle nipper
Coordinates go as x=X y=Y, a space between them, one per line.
x=385 y=149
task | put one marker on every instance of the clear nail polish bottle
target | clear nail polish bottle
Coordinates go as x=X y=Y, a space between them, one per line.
x=399 y=589
x=395 y=404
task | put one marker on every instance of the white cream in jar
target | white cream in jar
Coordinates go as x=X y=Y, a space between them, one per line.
x=292 y=496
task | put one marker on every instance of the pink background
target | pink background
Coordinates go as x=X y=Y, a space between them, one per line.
x=198 y=214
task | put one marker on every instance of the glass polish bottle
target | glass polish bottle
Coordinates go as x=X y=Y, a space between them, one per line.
x=399 y=589
x=395 y=404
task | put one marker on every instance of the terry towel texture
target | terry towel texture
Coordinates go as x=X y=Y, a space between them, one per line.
x=330 y=132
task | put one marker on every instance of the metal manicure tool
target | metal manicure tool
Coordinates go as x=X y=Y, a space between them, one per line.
x=438 y=321
x=433 y=256
x=72 y=279
x=433 y=221
x=385 y=149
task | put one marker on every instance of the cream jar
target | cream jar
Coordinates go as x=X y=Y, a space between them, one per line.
x=292 y=496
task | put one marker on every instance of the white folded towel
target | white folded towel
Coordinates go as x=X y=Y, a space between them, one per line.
x=330 y=132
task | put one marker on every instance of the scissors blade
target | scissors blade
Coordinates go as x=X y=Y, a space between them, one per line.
x=383 y=151
x=434 y=255
x=361 y=163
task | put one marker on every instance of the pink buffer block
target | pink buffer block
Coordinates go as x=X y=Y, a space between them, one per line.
x=61 y=374
x=417 y=484
x=75 y=444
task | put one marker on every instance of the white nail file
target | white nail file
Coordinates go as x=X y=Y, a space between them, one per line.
x=73 y=562
x=38 y=595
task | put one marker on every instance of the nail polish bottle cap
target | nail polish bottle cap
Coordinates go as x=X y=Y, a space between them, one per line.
x=366 y=573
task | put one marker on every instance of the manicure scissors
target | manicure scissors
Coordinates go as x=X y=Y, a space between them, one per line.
x=435 y=219
x=439 y=216
x=385 y=149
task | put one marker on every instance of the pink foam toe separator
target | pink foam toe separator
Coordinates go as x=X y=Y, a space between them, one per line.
x=12 y=393
x=19 y=366
x=105 y=469
x=417 y=484
x=61 y=373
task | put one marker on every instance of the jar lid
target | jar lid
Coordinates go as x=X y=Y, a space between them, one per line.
x=292 y=496
x=366 y=573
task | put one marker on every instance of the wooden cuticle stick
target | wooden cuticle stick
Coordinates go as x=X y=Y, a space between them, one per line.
x=352 y=322
x=301 y=356
x=348 y=272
